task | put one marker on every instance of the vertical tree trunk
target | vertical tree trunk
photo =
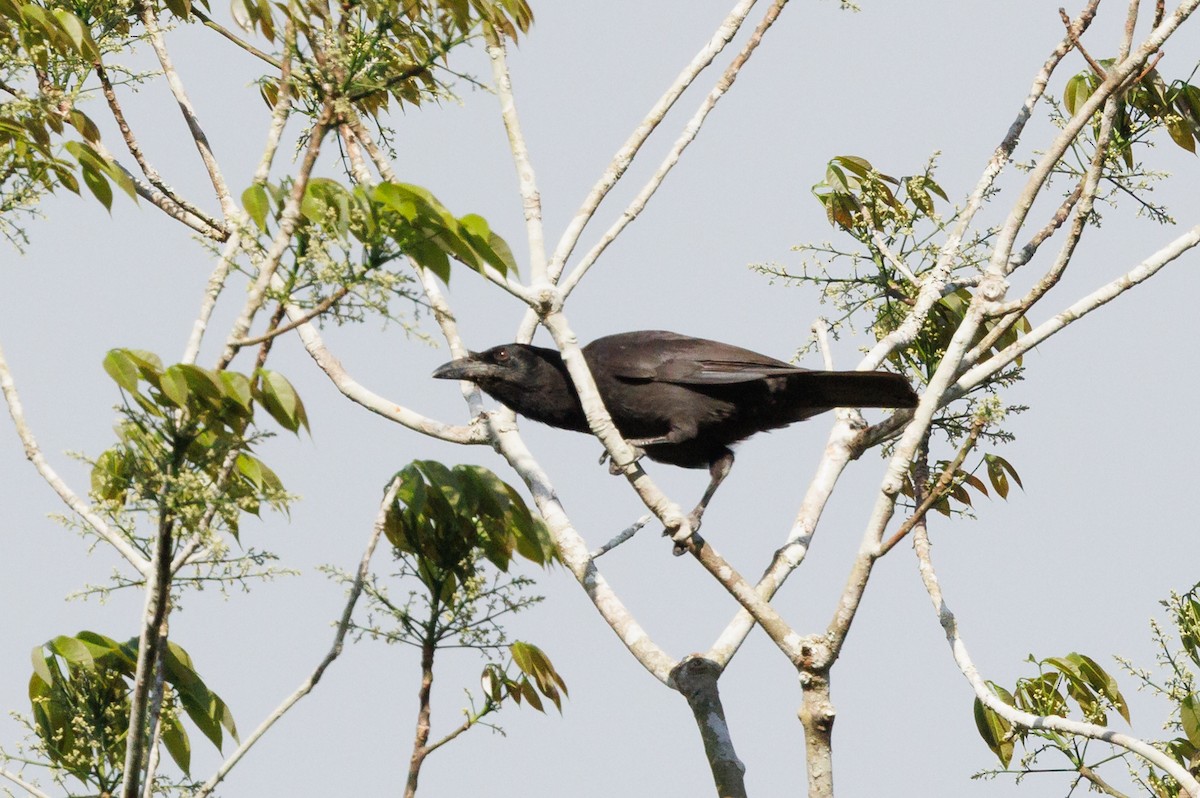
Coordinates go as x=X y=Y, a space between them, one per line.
x=696 y=679
x=816 y=714
x=423 y=719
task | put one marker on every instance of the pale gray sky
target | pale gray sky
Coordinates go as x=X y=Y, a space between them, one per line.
x=1076 y=562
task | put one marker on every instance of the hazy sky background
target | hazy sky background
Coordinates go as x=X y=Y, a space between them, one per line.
x=1077 y=562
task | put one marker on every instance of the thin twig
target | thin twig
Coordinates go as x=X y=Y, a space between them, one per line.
x=531 y=201
x=317 y=309
x=1016 y=716
x=139 y=157
x=1101 y=296
x=233 y=37
x=820 y=329
x=34 y=454
x=622 y=536
x=335 y=650
x=150 y=20
x=24 y=785
x=288 y=220
x=629 y=150
x=939 y=490
x=1099 y=70
x=690 y=131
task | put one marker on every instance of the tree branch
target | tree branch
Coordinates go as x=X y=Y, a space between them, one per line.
x=1102 y=296
x=34 y=454
x=531 y=201
x=24 y=785
x=283 y=237
x=696 y=680
x=1018 y=717
x=135 y=150
x=335 y=650
x=150 y=20
x=629 y=150
x=690 y=131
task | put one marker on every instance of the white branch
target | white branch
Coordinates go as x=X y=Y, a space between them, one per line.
x=690 y=131
x=69 y=497
x=228 y=206
x=622 y=536
x=24 y=785
x=1019 y=717
x=212 y=291
x=838 y=453
x=620 y=162
x=531 y=200
x=1115 y=81
x=574 y=554
x=1101 y=296
x=602 y=426
x=335 y=650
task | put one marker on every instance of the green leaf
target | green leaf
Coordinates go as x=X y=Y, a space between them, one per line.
x=176 y=741
x=1189 y=716
x=122 y=368
x=174 y=386
x=94 y=180
x=74 y=651
x=257 y=205
x=281 y=400
x=80 y=37
x=1181 y=133
x=995 y=732
x=236 y=388
x=1078 y=89
x=40 y=668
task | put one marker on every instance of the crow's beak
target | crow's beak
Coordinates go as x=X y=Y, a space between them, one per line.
x=464 y=368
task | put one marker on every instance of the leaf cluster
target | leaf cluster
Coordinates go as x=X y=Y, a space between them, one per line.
x=385 y=222
x=371 y=52
x=1075 y=677
x=79 y=693
x=537 y=676
x=186 y=440
x=445 y=516
x=1150 y=104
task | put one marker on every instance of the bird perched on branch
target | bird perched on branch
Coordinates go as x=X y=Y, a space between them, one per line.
x=676 y=399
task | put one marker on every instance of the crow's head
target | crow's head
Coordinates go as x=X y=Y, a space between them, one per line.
x=531 y=380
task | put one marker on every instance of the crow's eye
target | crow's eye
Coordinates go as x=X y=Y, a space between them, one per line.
x=501 y=355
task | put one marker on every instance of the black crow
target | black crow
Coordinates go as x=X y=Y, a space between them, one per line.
x=678 y=400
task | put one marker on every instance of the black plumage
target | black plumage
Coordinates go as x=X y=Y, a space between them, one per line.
x=679 y=400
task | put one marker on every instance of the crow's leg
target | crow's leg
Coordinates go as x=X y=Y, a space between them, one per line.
x=638 y=454
x=638 y=445
x=718 y=469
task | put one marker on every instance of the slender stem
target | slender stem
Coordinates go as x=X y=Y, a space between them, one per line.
x=154 y=616
x=335 y=650
x=135 y=150
x=212 y=292
x=1098 y=298
x=1019 y=717
x=321 y=307
x=231 y=36
x=424 y=708
x=690 y=131
x=150 y=20
x=34 y=455
x=288 y=220
x=24 y=785
x=531 y=201
x=629 y=150
x=939 y=490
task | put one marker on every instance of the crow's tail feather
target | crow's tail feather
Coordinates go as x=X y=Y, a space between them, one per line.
x=853 y=389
